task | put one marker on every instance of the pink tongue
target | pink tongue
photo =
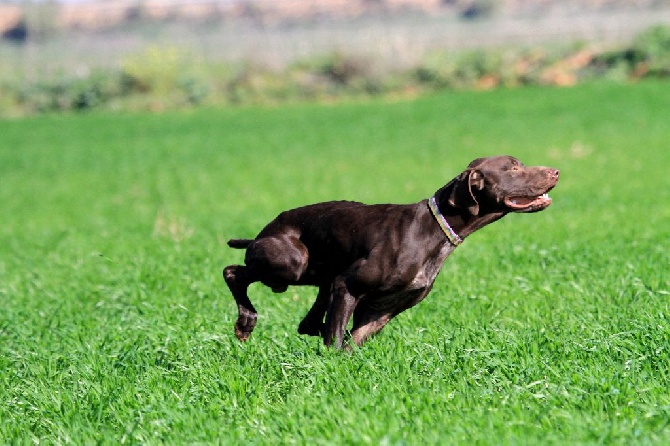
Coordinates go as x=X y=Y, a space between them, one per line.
x=523 y=201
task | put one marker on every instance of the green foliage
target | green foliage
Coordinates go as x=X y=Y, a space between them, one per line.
x=549 y=328
x=648 y=56
x=617 y=63
x=95 y=90
x=447 y=70
x=156 y=70
x=168 y=78
x=654 y=46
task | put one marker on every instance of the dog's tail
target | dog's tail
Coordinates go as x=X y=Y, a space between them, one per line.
x=240 y=243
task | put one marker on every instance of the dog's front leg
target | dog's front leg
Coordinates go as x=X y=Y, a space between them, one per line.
x=341 y=308
x=312 y=324
x=238 y=281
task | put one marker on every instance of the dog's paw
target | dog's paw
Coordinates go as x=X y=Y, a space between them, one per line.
x=310 y=329
x=245 y=324
x=241 y=334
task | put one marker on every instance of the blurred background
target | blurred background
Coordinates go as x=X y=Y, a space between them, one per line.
x=154 y=55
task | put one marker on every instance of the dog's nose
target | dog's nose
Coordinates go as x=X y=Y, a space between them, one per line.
x=553 y=173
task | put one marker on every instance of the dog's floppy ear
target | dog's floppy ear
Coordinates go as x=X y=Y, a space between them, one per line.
x=462 y=195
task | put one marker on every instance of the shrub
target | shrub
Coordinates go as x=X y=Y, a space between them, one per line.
x=156 y=70
x=72 y=94
x=654 y=46
x=610 y=63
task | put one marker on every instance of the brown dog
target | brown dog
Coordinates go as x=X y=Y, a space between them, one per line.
x=376 y=261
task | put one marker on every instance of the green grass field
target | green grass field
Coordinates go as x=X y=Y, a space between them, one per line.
x=551 y=328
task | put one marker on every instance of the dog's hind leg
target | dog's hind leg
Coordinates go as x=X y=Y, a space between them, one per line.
x=276 y=262
x=238 y=280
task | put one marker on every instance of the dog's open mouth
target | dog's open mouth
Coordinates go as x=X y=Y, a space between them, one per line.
x=528 y=204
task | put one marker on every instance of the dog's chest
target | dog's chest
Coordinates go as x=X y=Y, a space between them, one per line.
x=428 y=272
x=416 y=289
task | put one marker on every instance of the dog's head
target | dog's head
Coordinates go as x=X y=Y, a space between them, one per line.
x=503 y=184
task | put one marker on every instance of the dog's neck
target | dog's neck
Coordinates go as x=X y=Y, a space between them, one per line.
x=451 y=234
x=459 y=220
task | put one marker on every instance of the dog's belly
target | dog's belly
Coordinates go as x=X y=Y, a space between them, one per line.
x=394 y=302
